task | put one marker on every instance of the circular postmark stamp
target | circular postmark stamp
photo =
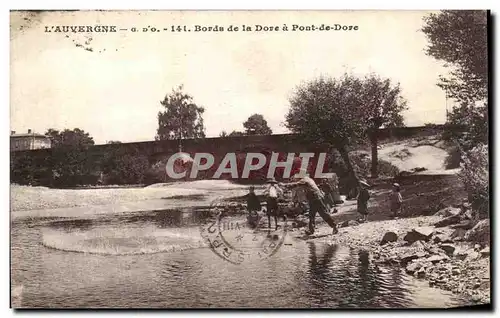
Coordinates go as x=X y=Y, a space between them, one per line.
x=236 y=239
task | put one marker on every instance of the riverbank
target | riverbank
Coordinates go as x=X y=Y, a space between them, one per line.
x=436 y=255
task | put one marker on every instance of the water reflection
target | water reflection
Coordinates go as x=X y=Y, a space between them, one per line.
x=300 y=275
x=321 y=275
x=352 y=280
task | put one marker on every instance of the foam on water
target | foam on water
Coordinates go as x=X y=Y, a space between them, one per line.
x=125 y=241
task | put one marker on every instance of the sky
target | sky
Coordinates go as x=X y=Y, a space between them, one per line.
x=114 y=92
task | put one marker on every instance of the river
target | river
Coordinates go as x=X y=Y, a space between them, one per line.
x=159 y=260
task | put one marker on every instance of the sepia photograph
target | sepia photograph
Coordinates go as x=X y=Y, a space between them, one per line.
x=249 y=159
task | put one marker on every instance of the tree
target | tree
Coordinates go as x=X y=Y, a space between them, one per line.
x=235 y=133
x=182 y=118
x=382 y=104
x=460 y=39
x=223 y=134
x=326 y=111
x=70 y=161
x=340 y=112
x=74 y=138
x=112 y=142
x=125 y=166
x=257 y=125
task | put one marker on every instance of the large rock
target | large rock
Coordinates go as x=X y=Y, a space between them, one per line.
x=408 y=257
x=480 y=233
x=413 y=267
x=442 y=238
x=458 y=234
x=437 y=258
x=419 y=234
x=389 y=237
x=419 y=246
x=485 y=251
x=421 y=273
x=454 y=219
x=465 y=224
x=461 y=253
x=447 y=212
x=448 y=248
x=472 y=256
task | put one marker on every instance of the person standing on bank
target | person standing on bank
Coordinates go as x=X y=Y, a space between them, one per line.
x=363 y=198
x=272 y=193
x=253 y=207
x=396 y=200
x=315 y=200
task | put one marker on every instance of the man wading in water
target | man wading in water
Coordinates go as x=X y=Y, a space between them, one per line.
x=272 y=192
x=315 y=199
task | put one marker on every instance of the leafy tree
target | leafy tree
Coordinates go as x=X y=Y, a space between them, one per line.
x=128 y=169
x=223 y=134
x=475 y=122
x=235 y=133
x=341 y=111
x=326 y=111
x=70 y=161
x=257 y=125
x=72 y=166
x=69 y=138
x=182 y=118
x=382 y=104
x=459 y=38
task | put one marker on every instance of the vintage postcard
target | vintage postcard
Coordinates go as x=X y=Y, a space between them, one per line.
x=249 y=159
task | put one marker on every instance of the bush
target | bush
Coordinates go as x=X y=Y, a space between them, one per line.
x=155 y=173
x=127 y=169
x=475 y=176
x=453 y=159
x=71 y=167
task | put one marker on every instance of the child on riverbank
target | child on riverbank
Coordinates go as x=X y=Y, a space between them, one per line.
x=272 y=192
x=253 y=207
x=363 y=198
x=396 y=200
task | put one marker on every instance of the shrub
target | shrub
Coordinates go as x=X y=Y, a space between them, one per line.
x=475 y=176
x=453 y=159
x=71 y=167
x=128 y=169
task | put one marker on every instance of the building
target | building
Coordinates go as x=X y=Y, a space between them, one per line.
x=28 y=141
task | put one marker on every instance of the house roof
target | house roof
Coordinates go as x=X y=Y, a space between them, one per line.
x=28 y=135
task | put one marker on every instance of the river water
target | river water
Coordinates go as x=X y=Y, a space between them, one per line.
x=159 y=260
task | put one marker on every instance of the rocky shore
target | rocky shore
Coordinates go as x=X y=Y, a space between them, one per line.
x=450 y=250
